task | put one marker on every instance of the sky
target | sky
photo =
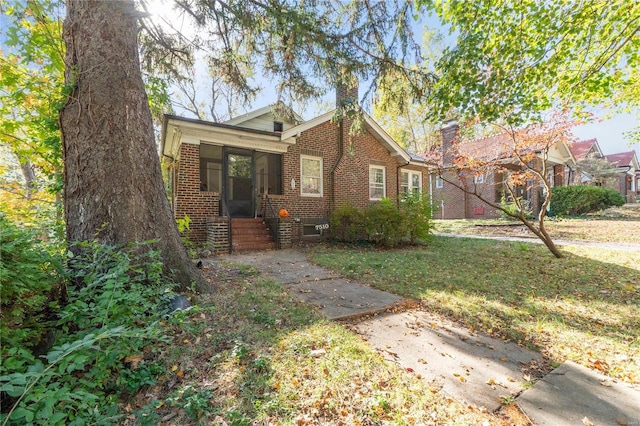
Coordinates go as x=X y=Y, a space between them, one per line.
x=610 y=133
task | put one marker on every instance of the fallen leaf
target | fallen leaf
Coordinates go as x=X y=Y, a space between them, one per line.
x=174 y=368
x=622 y=422
x=587 y=422
x=503 y=359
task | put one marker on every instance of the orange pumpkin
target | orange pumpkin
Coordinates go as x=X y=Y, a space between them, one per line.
x=283 y=213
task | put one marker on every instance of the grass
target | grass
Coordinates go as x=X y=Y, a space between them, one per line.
x=583 y=307
x=615 y=225
x=251 y=354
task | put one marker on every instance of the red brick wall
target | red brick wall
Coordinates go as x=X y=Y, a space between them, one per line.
x=345 y=178
x=453 y=203
x=188 y=199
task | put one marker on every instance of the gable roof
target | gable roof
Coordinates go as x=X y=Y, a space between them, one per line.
x=374 y=128
x=582 y=148
x=623 y=159
x=239 y=120
x=501 y=147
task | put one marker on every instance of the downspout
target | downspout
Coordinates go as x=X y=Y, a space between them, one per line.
x=431 y=193
x=335 y=167
x=398 y=182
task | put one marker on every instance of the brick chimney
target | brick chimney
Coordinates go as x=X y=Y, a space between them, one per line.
x=449 y=132
x=347 y=92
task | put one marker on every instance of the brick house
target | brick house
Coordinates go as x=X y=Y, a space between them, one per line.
x=625 y=163
x=229 y=176
x=582 y=150
x=453 y=203
x=627 y=166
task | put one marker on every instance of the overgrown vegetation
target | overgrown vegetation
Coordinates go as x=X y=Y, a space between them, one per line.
x=100 y=340
x=30 y=284
x=582 y=199
x=385 y=223
x=582 y=307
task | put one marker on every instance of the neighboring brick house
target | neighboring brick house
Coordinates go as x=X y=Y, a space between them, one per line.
x=582 y=150
x=625 y=163
x=254 y=165
x=627 y=166
x=454 y=203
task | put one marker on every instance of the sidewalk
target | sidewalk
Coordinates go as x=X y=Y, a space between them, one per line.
x=468 y=365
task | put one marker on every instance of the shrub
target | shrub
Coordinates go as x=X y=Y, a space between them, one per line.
x=346 y=223
x=29 y=281
x=383 y=223
x=111 y=316
x=415 y=210
x=582 y=199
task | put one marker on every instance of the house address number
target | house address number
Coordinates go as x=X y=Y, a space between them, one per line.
x=322 y=226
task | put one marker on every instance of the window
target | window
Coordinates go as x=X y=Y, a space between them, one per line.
x=411 y=182
x=478 y=179
x=268 y=173
x=277 y=126
x=210 y=168
x=310 y=176
x=376 y=182
x=439 y=182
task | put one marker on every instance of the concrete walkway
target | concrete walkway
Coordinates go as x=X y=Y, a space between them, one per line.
x=468 y=365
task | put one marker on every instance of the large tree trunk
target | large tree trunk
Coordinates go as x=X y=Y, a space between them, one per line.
x=113 y=184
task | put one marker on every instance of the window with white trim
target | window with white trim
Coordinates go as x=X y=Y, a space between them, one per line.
x=310 y=176
x=410 y=182
x=478 y=179
x=439 y=182
x=377 y=183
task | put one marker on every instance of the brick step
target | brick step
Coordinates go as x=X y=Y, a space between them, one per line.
x=250 y=231
x=251 y=238
x=250 y=235
x=254 y=246
x=246 y=223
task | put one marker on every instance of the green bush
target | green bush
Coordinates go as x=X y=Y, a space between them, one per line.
x=582 y=199
x=30 y=278
x=416 y=212
x=346 y=223
x=383 y=223
x=113 y=313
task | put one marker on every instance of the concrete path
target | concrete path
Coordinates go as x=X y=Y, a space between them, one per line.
x=574 y=395
x=468 y=365
x=334 y=296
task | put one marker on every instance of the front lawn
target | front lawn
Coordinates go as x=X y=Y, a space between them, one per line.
x=614 y=225
x=250 y=354
x=583 y=307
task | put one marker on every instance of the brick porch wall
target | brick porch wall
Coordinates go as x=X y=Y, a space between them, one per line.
x=189 y=200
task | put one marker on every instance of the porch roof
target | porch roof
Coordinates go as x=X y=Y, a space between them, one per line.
x=176 y=130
